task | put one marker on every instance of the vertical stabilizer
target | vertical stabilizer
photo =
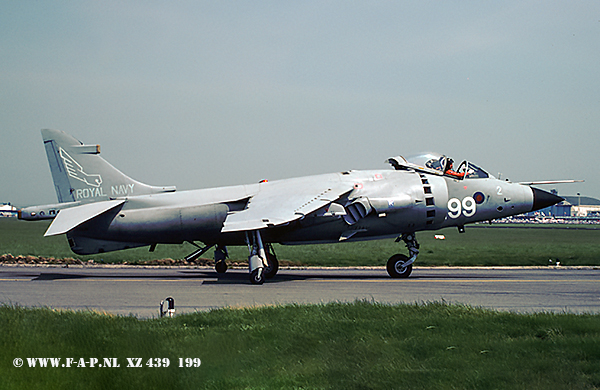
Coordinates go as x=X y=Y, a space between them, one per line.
x=80 y=174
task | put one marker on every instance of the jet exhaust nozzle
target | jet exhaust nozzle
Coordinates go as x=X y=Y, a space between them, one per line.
x=356 y=210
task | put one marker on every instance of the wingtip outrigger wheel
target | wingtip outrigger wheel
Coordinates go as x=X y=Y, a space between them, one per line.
x=400 y=266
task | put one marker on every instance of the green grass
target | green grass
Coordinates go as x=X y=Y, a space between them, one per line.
x=362 y=345
x=478 y=246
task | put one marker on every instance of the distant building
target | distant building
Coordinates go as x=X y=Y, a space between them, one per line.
x=6 y=210
x=582 y=206
x=562 y=209
x=572 y=206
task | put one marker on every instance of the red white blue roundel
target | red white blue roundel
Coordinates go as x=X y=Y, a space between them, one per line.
x=479 y=197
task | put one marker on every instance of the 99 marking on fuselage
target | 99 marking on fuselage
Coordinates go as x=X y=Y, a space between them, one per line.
x=468 y=207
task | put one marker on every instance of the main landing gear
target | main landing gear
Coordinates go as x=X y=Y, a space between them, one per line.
x=272 y=262
x=262 y=261
x=400 y=266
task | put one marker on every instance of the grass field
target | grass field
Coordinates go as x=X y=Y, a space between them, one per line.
x=361 y=345
x=480 y=245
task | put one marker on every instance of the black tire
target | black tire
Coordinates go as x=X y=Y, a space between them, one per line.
x=257 y=276
x=221 y=267
x=273 y=267
x=395 y=266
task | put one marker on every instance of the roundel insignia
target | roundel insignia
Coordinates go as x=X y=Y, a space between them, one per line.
x=479 y=197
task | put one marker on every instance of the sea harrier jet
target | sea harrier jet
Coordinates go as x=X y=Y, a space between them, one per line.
x=101 y=209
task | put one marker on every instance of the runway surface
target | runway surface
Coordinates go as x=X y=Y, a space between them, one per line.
x=138 y=290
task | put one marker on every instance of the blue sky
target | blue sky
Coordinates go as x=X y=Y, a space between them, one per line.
x=201 y=94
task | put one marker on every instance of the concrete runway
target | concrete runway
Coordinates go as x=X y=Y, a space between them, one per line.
x=128 y=290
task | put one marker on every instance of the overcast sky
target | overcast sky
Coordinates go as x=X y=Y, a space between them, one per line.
x=200 y=94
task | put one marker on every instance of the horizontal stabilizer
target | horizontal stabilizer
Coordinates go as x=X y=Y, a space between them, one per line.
x=69 y=219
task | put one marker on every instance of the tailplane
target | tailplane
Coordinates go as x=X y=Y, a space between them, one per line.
x=81 y=175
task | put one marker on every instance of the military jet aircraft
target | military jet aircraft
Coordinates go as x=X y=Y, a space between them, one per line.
x=101 y=209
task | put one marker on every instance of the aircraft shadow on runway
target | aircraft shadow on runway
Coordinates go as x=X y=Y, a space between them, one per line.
x=241 y=276
x=206 y=277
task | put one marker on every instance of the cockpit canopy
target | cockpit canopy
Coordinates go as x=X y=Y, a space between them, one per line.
x=472 y=171
x=445 y=165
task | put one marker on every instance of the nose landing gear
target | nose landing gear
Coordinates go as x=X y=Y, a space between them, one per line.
x=400 y=266
x=257 y=260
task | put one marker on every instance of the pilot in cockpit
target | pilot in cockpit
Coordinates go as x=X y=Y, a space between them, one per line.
x=444 y=164
x=449 y=170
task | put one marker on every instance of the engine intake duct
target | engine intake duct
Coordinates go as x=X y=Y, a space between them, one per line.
x=386 y=205
x=361 y=207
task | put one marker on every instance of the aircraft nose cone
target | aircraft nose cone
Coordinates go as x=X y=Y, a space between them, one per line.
x=543 y=199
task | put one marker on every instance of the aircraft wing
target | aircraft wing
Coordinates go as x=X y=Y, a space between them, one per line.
x=69 y=219
x=281 y=202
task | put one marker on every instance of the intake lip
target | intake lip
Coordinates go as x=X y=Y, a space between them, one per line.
x=543 y=199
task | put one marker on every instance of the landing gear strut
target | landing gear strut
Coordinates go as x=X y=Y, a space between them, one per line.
x=262 y=261
x=257 y=261
x=400 y=266
x=220 y=256
x=194 y=255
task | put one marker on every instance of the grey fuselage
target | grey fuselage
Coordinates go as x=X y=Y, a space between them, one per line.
x=378 y=204
x=101 y=209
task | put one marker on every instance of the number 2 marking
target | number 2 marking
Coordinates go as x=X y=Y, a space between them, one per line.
x=468 y=207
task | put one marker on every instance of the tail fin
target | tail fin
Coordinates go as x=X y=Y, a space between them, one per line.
x=80 y=174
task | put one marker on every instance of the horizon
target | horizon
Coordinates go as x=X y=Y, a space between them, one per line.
x=209 y=94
